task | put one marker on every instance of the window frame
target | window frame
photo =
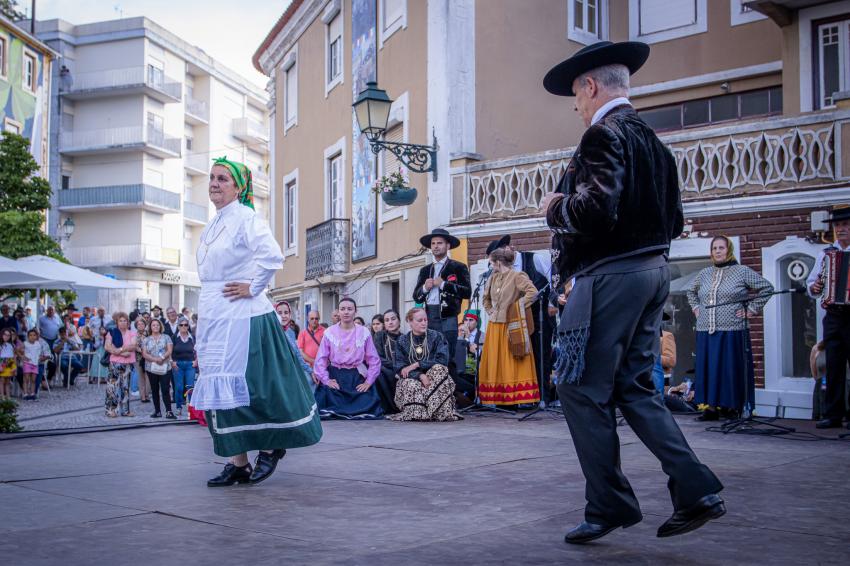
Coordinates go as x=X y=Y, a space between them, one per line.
x=387 y=31
x=699 y=26
x=290 y=247
x=399 y=116
x=843 y=23
x=29 y=55
x=582 y=36
x=4 y=57
x=9 y=122
x=335 y=151
x=335 y=11
x=290 y=69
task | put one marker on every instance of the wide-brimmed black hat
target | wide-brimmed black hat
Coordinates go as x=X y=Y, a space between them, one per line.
x=559 y=79
x=426 y=239
x=500 y=243
x=839 y=213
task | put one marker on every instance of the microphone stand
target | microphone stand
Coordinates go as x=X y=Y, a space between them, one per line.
x=746 y=423
x=541 y=379
x=477 y=406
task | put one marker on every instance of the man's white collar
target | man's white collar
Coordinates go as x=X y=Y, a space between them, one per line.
x=607 y=107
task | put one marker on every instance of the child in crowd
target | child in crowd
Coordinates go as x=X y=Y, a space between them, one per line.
x=34 y=354
x=10 y=349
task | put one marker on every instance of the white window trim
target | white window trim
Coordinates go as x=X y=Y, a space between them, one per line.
x=737 y=17
x=581 y=36
x=12 y=122
x=806 y=42
x=701 y=25
x=385 y=33
x=290 y=61
x=290 y=248
x=335 y=9
x=25 y=52
x=337 y=149
x=4 y=74
x=399 y=114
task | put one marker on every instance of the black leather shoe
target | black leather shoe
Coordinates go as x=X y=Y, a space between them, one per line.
x=684 y=521
x=230 y=475
x=829 y=423
x=708 y=416
x=156 y=415
x=587 y=532
x=265 y=464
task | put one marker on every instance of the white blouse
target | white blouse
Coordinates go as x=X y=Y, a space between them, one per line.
x=236 y=246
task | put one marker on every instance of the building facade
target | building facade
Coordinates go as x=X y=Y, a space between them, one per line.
x=25 y=81
x=747 y=94
x=138 y=115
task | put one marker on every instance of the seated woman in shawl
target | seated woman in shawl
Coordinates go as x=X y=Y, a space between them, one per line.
x=385 y=342
x=425 y=390
x=343 y=393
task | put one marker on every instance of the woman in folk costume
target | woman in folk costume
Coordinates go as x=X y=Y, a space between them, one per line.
x=504 y=377
x=343 y=392
x=251 y=384
x=724 y=383
x=425 y=390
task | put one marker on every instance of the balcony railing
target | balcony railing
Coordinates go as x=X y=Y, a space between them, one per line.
x=120 y=196
x=198 y=110
x=123 y=255
x=250 y=130
x=198 y=213
x=128 y=138
x=150 y=80
x=197 y=163
x=744 y=158
x=328 y=248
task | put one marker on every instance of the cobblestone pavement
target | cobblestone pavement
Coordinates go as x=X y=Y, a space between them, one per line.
x=487 y=490
x=78 y=406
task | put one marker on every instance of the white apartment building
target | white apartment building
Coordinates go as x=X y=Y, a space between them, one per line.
x=138 y=114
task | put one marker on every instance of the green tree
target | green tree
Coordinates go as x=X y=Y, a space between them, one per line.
x=9 y=8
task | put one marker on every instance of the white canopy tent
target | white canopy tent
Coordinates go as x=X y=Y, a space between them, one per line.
x=15 y=275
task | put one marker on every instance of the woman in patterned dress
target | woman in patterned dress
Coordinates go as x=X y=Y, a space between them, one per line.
x=724 y=380
x=425 y=390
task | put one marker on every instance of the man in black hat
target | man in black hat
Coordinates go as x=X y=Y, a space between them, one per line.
x=836 y=327
x=441 y=287
x=614 y=213
x=538 y=267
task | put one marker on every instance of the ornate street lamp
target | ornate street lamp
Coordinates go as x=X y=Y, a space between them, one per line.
x=66 y=229
x=372 y=109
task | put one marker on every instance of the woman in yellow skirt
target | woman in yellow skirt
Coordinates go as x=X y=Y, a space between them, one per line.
x=505 y=379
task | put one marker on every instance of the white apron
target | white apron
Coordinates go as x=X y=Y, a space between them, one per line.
x=236 y=246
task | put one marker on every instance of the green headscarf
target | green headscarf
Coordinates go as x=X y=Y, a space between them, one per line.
x=242 y=177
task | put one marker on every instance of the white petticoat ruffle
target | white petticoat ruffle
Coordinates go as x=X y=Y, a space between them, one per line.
x=219 y=392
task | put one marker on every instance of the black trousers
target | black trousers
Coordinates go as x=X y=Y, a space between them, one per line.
x=621 y=351
x=448 y=328
x=836 y=337
x=543 y=351
x=160 y=383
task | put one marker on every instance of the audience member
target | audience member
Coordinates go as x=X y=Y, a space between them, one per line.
x=377 y=324
x=284 y=313
x=10 y=349
x=139 y=364
x=7 y=320
x=184 y=362
x=36 y=353
x=121 y=345
x=358 y=320
x=171 y=319
x=310 y=338
x=49 y=324
x=335 y=316
x=156 y=350
x=99 y=371
x=425 y=390
x=385 y=343
x=69 y=362
x=343 y=392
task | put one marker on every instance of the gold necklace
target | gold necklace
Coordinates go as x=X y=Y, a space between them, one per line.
x=418 y=352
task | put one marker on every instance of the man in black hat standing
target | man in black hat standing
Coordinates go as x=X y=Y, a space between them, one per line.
x=836 y=327
x=614 y=213
x=538 y=267
x=441 y=287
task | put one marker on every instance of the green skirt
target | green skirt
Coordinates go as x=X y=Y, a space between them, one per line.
x=282 y=413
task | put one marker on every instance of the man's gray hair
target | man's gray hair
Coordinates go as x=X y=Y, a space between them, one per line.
x=612 y=78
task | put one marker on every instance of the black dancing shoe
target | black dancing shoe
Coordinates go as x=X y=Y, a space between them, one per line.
x=708 y=415
x=230 y=475
x=265 y=464
x=156 y=415
x=828 y=423
x=587 y=532
x=684 y=521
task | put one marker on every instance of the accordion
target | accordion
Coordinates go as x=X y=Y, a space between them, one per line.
x=836 y=278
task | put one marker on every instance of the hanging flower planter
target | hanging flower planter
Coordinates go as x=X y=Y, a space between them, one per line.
x=395 y=190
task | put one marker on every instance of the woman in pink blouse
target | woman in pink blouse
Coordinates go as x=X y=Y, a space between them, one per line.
x=343 y=393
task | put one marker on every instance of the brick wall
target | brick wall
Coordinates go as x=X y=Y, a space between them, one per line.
x=754 y=230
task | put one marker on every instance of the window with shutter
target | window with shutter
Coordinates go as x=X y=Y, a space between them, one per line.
x=661 y=20
x=833 y=50
x=391 y=162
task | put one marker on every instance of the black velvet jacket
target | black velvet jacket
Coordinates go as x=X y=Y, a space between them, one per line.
x=457 y=287
x=621 y=196
x=438 y=352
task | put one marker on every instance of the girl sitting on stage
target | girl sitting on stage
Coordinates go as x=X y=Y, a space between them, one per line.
x=343 y=393
x=425 y=390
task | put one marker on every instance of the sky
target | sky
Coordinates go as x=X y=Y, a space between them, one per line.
x=229 y=31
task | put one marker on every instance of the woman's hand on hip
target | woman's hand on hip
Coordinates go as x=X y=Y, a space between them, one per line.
x=235 y=291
